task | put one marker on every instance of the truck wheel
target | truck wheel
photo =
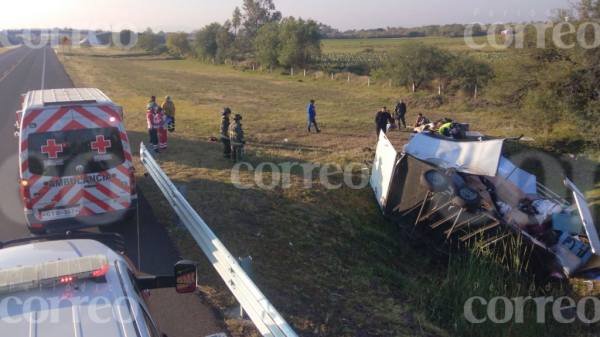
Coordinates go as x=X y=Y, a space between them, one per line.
x=467 y=197
x=434 y=181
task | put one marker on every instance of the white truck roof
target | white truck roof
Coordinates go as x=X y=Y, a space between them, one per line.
x=40 y=99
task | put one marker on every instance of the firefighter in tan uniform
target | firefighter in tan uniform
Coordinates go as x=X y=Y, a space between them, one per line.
x=236 y=136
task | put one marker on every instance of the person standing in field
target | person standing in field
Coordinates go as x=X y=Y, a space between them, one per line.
x=381 y=121
x=400 y=113
x=161 y=121
x=169 y=110
x=312 y=115
x=236 y=136
x=226 y=113
x=152 y=100
x=152 y=126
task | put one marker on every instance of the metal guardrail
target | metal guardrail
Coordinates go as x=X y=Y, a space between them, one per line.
x=266 y=318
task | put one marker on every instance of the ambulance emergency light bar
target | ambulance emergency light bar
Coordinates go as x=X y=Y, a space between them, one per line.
x=51 y=273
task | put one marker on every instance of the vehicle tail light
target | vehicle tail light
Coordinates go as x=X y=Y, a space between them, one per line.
x=112 y=119
x=132 y=184
x=66 y=279
x=26 y=195
x=36 y=225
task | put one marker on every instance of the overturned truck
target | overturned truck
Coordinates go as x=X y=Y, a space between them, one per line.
x=447 y=194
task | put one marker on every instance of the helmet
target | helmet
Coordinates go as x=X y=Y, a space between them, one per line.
x=237 y=117
x=225 y=111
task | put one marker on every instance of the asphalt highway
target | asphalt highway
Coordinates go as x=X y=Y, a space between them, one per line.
x=24 y=69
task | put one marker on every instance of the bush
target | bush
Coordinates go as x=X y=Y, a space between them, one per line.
x=162 y=49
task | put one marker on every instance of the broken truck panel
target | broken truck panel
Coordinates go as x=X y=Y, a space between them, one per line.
x=469 y=157
x=586 y=217
x=439 y=200
x=383 y=164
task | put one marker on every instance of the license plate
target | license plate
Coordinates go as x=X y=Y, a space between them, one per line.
x=59 y=213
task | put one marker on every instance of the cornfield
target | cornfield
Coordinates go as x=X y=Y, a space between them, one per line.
x=375 y=60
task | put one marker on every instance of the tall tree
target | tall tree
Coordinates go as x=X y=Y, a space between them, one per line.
x=416 y=64
x=147 y=41
x=206 y=40
x=266 y=44
x=178 y=43
x=299 y=41
x=225 y=41
x=257 y=13
x=236 y=20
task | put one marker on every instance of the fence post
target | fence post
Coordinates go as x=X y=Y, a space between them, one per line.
x=252 y=66
x=348 y=77
x=304 y=72
x=332 y=76
x=292 y=71
x=390 y=82
x=368 y=81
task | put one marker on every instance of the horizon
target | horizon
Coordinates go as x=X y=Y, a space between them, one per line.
x=188 y=16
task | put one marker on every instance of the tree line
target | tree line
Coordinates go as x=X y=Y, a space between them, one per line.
x=452 y=30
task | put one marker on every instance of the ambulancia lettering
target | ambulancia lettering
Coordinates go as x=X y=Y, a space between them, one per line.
x=79 y=180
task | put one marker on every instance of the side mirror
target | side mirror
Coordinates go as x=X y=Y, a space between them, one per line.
x=185 y=276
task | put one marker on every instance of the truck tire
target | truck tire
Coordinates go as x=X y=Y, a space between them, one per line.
x=434 y=181
x=467 y=197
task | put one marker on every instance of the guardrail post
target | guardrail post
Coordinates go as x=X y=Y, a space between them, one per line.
x=246 y=264
x=183 y=190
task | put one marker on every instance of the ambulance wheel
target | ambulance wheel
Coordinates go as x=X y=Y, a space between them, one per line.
x=434 y=181
x=467 y=197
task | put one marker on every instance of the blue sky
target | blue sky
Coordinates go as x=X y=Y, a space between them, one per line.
x=188 y=15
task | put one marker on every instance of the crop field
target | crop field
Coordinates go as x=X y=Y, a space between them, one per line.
x=385 y=45
x=326 y=258
x=377 y=59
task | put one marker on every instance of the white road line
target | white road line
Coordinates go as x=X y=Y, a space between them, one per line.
x=44 y=69
x=15 y=66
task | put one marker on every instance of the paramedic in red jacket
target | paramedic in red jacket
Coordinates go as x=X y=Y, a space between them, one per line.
x=152 y=127
x=161 y=120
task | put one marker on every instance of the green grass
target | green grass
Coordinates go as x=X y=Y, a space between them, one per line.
x=385 y=45
x=326 y=259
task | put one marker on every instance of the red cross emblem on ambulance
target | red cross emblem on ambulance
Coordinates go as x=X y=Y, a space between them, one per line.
x=52 y=149
x=101 y=144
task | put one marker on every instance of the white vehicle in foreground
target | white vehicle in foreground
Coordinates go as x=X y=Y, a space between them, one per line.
x=74 y=285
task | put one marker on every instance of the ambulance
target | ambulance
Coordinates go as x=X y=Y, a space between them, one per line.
x=76 y=168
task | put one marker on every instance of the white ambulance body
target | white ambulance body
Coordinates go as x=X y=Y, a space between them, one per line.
x=76 y=167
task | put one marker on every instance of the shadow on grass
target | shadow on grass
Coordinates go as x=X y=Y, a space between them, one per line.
x=315 y=251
